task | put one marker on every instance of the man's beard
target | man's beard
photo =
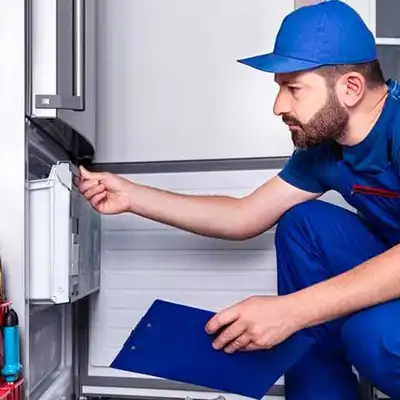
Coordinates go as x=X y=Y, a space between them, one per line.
x=328 y=124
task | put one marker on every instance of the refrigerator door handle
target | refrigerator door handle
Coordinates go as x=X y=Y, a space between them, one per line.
x=79 y=49
x=76 y=101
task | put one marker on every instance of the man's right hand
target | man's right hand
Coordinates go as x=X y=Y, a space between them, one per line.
x=106 y=192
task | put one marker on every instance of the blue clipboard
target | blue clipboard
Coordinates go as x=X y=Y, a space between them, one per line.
x=170 y=342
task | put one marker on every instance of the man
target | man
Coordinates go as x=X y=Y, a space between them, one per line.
x=338 y=271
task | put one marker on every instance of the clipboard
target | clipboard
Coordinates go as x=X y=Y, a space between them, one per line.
x=170 y=342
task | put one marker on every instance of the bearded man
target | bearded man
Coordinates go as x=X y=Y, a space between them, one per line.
x=338 y=271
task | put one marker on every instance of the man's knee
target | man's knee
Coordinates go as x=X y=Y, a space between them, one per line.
x=295 y=218
x=372 y=344
x=296 y=239
x=306 y=216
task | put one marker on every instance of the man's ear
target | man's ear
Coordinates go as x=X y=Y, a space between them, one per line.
x=351 y=89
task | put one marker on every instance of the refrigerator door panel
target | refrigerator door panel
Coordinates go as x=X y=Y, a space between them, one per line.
x=62 y=37
x=61 y=26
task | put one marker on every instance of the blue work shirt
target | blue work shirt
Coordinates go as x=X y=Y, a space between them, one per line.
x=366 y=174
x=315 y=170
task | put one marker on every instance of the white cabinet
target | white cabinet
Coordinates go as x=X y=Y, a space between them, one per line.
x=63 y=64
x=170 y=86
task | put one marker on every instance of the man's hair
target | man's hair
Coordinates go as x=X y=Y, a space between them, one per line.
x=371 y=71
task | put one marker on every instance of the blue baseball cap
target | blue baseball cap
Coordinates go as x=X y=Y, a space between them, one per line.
x=327 y=33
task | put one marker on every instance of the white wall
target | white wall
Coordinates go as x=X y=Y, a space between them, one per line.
x=169 y=85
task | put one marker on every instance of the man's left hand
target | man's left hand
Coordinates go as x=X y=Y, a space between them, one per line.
x=259 y=322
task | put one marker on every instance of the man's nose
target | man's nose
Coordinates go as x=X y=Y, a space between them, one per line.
x=281 y=105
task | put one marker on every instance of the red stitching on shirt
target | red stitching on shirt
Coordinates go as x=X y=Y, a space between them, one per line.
x=375 y=191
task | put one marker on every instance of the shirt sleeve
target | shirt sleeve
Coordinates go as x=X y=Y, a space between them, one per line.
x=303 y=171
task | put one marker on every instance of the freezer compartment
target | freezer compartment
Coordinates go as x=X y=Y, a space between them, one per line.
x=64 y=239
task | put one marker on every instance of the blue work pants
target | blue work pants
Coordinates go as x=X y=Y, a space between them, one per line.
x=315 y=241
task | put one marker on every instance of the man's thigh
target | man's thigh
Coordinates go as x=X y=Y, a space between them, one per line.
x=316 y=240
x=371 y=339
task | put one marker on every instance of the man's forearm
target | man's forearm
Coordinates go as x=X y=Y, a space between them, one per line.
x=371 y=283
x=213 y=216
x=217 y=215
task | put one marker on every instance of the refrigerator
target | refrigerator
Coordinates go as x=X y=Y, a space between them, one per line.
x=52 y=247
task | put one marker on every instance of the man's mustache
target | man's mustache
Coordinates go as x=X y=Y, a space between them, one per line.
x=288 y=120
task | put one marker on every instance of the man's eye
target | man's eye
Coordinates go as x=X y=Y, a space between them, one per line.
x=294 y=89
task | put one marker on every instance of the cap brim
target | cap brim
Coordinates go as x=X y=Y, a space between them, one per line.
x=278 y=64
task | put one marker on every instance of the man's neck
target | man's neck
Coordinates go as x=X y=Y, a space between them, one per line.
x=363 y=119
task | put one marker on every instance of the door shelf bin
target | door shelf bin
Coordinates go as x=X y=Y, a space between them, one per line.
x=64 y=239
